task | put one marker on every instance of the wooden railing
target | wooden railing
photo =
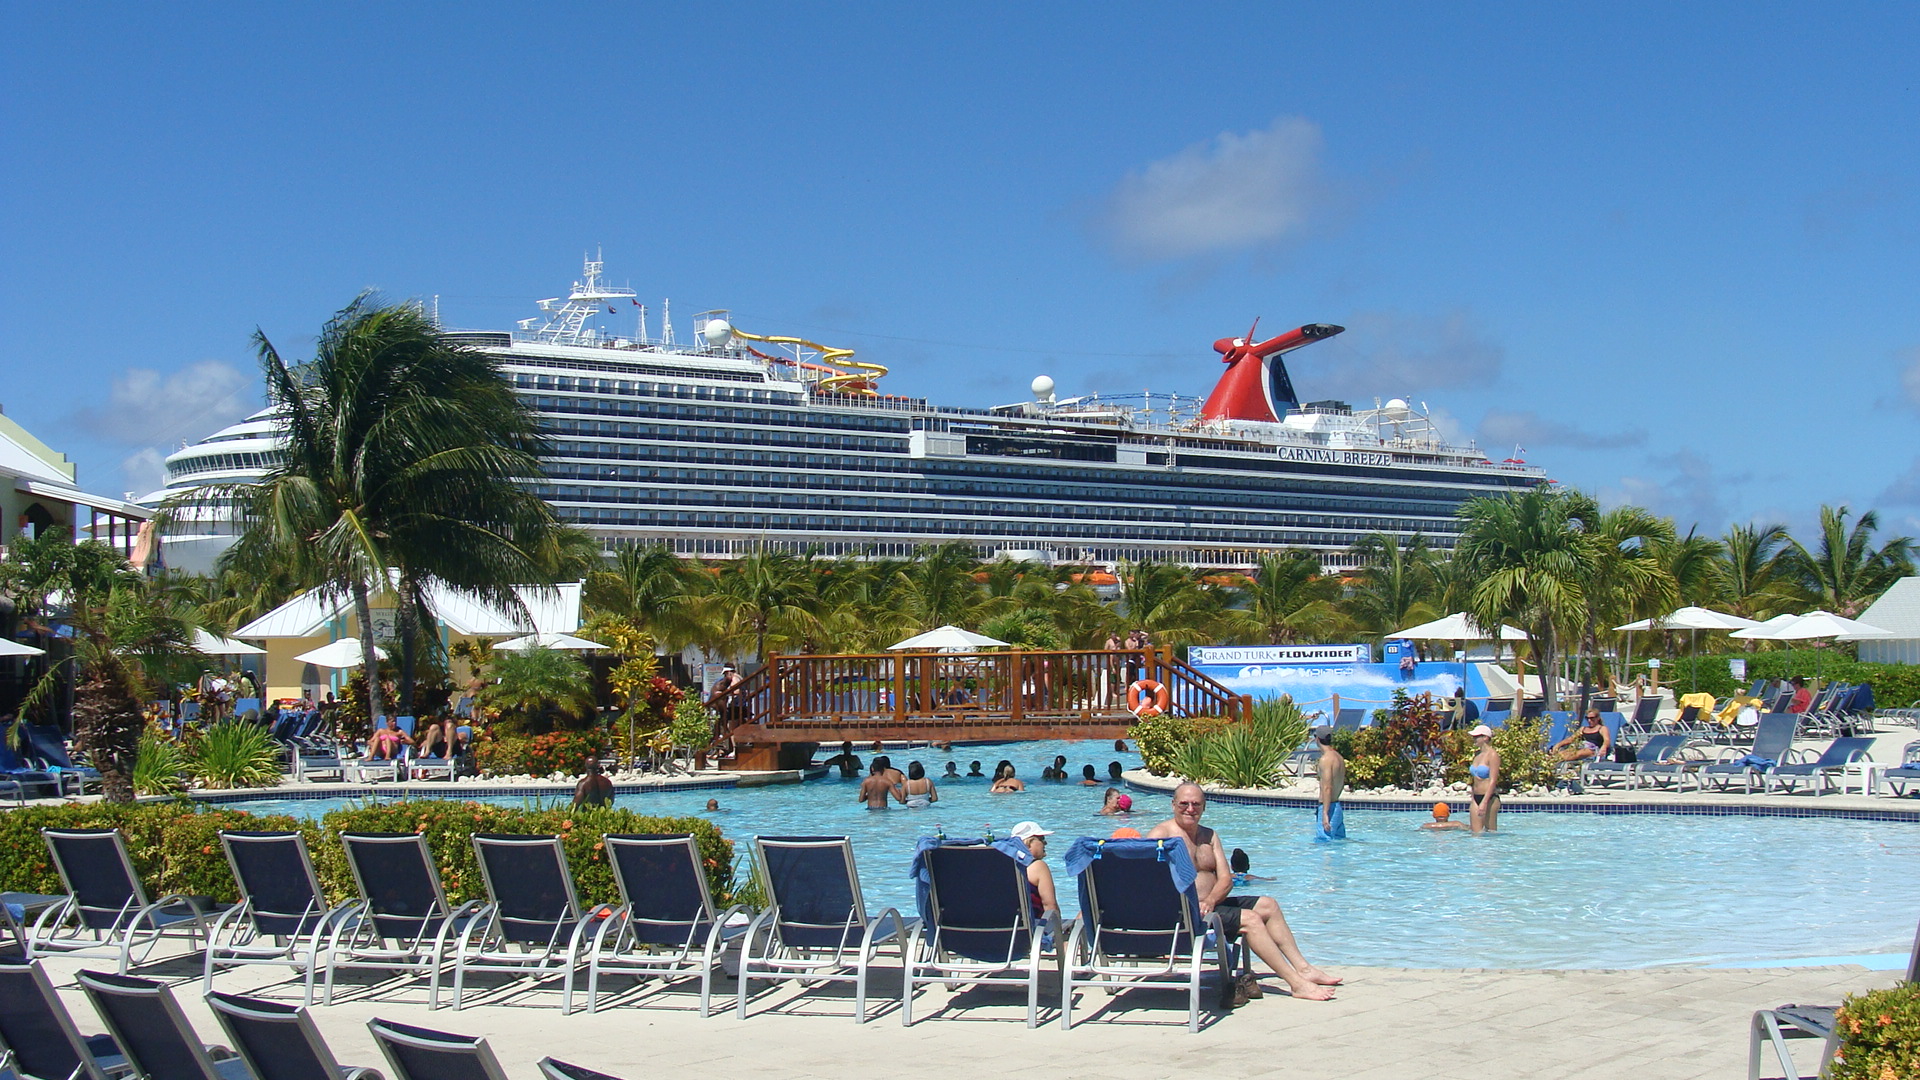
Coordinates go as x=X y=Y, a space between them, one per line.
x=996 y=694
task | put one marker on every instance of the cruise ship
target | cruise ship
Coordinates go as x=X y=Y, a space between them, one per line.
x=735 y=441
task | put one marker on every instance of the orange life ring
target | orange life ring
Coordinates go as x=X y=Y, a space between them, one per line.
x=1148 y=698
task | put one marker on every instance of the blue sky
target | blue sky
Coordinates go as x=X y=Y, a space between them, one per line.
x=1673 y=254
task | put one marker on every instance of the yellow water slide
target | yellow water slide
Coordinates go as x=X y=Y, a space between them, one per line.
x=864 y=381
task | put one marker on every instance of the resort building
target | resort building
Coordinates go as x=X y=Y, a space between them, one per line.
x=40 y=490
x=1897 y=611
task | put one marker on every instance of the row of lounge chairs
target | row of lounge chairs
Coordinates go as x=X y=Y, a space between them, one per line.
x=1771 y=761
x=148 y=1037
x=41 y=766
x=1141 y=921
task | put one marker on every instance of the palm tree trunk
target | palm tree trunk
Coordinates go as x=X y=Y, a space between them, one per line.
x=107 y=726
x=369 y=660
x=408 y=626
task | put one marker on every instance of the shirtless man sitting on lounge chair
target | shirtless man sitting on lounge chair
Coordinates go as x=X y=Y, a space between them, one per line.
x=1255 y=918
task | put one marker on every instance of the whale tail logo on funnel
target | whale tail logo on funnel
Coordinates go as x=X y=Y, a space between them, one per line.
x=1256 y=385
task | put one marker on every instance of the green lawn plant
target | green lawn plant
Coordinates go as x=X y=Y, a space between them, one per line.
x=236 y=754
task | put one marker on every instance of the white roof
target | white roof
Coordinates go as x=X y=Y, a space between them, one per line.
x=1897 y=610
x=555 y=610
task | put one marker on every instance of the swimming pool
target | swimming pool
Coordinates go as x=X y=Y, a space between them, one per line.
x=1549 y=891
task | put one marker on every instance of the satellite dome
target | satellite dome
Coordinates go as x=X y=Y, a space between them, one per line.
x=1043 y=388
x=717 y=333
x=1397 y=408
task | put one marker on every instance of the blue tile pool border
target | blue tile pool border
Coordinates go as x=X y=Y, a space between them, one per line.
x=1424 y=805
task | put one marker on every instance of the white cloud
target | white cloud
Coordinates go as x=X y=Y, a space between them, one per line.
x=145 y=407
x=1394 y=353
x=143 y=471
x=1528 y=428
x=1229 y=193
x=1690 y=492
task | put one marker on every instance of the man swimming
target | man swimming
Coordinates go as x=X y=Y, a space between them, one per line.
x=1256 y=919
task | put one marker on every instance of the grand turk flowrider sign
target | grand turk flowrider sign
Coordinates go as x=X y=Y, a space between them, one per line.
x=1279 y=654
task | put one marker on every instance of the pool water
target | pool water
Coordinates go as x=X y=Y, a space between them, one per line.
x=1549 y=891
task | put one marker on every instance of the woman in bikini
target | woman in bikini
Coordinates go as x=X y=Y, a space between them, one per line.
x=1004 y=782
x=1485 y=774
x=1590 y=741
x=919 y=790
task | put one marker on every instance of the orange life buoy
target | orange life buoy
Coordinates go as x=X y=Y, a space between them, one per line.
x=1148 y=698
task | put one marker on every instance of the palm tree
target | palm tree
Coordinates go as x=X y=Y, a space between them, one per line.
x=941 y=589
x=1396 y=583
x=1846 y=572
x=1167 y=601
x=1752 y=581
x=536 y=687
x=403 y=452
x=766 y=594
x=647 y=585
x=1287 y=599
x=1628 y=573
x=1694 y=563
x=1528 y=555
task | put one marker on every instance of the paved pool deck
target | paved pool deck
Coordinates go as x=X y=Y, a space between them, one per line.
x=1386 y=1024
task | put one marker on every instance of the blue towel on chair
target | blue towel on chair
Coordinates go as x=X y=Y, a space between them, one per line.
x=1171 y=851
x=1756 y=762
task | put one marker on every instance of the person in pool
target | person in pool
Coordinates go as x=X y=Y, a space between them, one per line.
x=713 y=806
x=878 y=787
x=1484 y=774
x=894 y=776
x=1114 y=770
x=1116 y=802
x=918 y=792
x=973 y=769
x=952 y=773
x=1443 y=818
x=1243 y=868
x=1089 y=778
x=846 y=761
x=1059 y=769
x=1255 y=919
x=1004 y=781
x=594 y=788
x=1332 y=821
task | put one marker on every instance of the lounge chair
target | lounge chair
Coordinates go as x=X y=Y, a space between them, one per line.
x=279 y=1041
x=555 y=1069
x=1773 y=1027
x=159 y=1042
x=1821 y=770
x=106 y=912
x=418 y=1053
x=402 y=921
x=38 y=1039
x=977 y=925
x=47 y=746
x=283 y=915
x=1771 y=741
x=1679 y=764
x=26 y=781
x=666 y=924
x=1140 y=923
x=1907 y=772
x=1654 y=751
x=816 y=927
x=532 y=924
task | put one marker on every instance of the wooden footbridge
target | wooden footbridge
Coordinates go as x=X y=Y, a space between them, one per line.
x=793 y=704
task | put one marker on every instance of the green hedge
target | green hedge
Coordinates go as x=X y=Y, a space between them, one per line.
x=175 y=846
x=1879 y=1035
x=1895 y=686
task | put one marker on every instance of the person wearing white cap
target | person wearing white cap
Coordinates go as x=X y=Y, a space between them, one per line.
x=1484 y=814
x=1039 y=876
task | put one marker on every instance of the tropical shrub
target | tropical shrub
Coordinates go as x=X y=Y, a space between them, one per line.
x=161 y=767
x=1160 y=738
x=236 y=754
x=1254 y=752
x=175 y=846
x=449 y=828
x=692 y=724
x=1402 y=748
x=509 y=754
x=1879 y=1035
x=539 y=690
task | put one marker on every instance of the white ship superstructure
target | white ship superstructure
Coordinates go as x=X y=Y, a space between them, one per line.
x=738 y=441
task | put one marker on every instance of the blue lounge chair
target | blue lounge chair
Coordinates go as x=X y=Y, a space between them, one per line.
x=283 y=915
x=1821 y=770
x=666 y=925
x=555 y=1069
x=1907 y=772
x=159 y=1042
x=279 y=1041
x=48 y=747
x=1771 y=741
x=977 y=924
x=418 y=1053
x=1140 y=923
x=1773 y=1027
x=401 y=921
x=1654 y=751
x=106 y=911
x=816 y=927
x=26 y=781
x=532 y=924
x=38 y=1039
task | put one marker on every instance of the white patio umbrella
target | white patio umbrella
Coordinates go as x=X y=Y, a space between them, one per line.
x=215 y=645
x=14 y=648
x=947 y=639
x=1812 y=625
x=1460 y=627
x=1694 y=619
x=548 y=641
x=344 y=653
